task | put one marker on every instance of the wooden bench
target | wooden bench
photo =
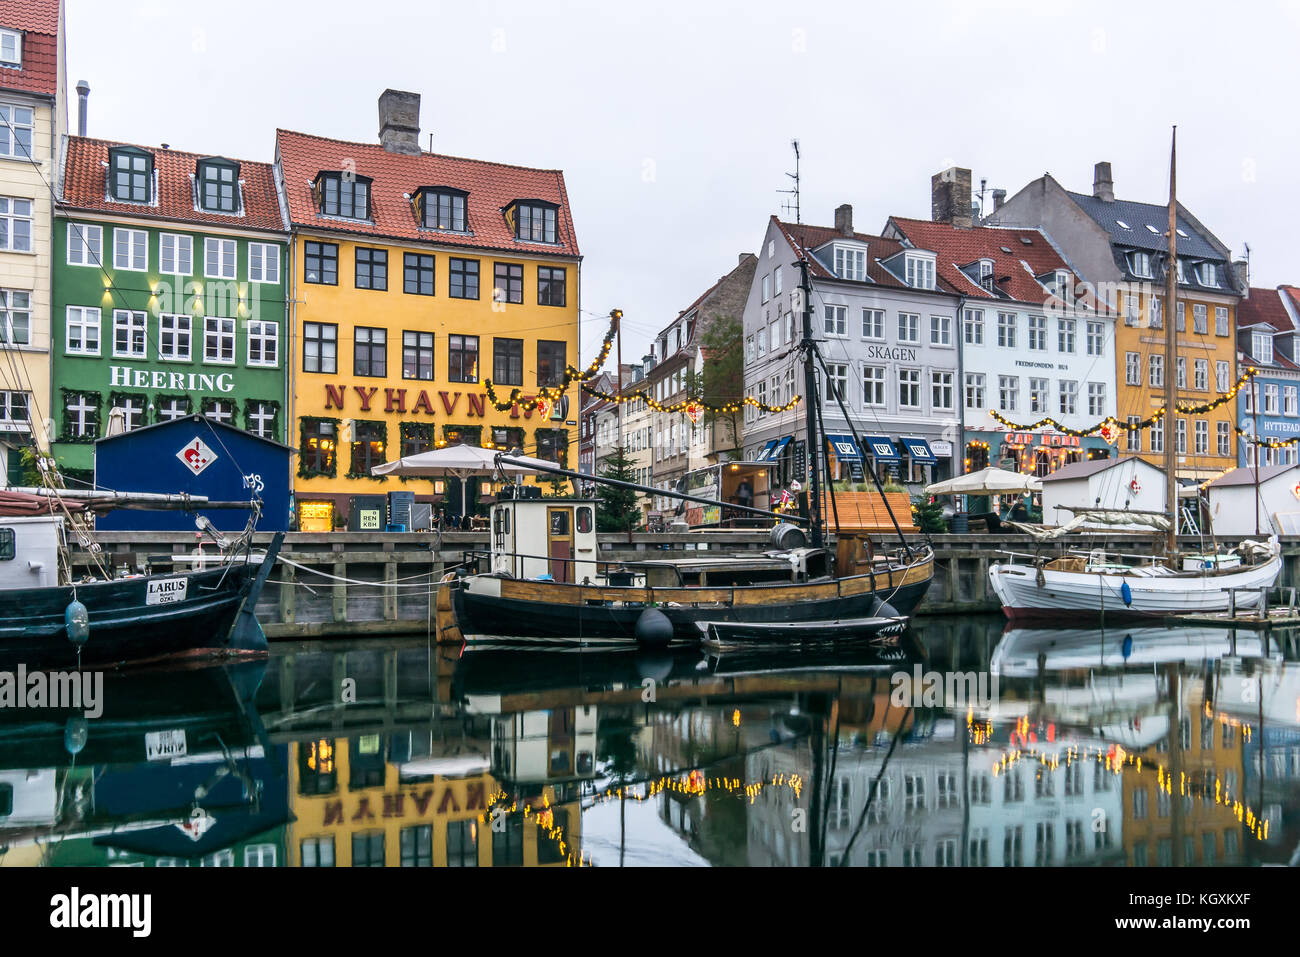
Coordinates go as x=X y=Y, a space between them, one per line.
x=868 y=511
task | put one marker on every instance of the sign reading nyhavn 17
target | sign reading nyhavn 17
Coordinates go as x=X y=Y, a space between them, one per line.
x=373 y=399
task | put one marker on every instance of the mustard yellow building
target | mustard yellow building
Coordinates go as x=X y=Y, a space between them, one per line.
x=354 y=808
x=418 y=278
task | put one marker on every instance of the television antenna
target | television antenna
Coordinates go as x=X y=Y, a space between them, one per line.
x=786 y=207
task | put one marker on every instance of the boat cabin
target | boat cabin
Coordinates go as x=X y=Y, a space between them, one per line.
x=546 y=538
x=29 y=551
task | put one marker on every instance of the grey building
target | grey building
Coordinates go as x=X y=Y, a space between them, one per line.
x=885 y=321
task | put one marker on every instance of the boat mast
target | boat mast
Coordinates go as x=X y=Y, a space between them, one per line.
x=1171 y=349
x=809 y=348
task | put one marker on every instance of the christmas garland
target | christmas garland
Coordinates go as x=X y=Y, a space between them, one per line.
x=305 y=471
x=549 y=395
x=692 y=407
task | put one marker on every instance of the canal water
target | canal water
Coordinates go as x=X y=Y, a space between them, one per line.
x=966 y=744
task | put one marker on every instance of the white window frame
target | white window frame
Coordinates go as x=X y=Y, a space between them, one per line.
x=1007 y=322
x=127 y=318
x=131 y=262
x=850 y=263
x=224 y=247
x=1067 y=334
x=1201 y=438
x=1289 y=400
x=7 y=310
x=264 y=332
x=1201 y=375
x=220 y=333
x=974 y=387
x=181 y=247
x=1009 y=393
x=1068 y=389
x=13 y=125
x=877 y=324
x=1261 y=346
x=80 y=238
x=972 y=323
x=1096 y=398
x=1133 y=368
x=171 y=326
x=942 y=384
x=16 y=38
x=1271 y=393
x=840 y=320
x=1095 y=336
x=911 y=383
x=84 y=323
x=909 y=328
x=1223 y=437
x=1156 y=372
x=1037 y=334
x=1142 y=265
x=9 y=215
x=1222 y=375
x=942 y=326
x=919 y=271
x=1221 y=325
x=1039 y=395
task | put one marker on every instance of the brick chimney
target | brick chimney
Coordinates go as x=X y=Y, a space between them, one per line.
x=1241 y=275
x=950 y=200
x=1103 y=187
x=399 y=122
x=844 y=220
x=999 y=197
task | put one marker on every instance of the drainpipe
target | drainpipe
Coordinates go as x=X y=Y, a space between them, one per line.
x=959 y=387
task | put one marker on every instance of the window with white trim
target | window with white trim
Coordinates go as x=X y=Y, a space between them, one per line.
x=1037 y=333
x=974 y=382
x=1007 y=330
x=1158 y=436
x=1201 y=375
x=909 y=388
x=941 y=391
x=263 y=343
x=1182 y=372
x=850 y=263
x=176 y=254
x=171 y=409
x=219 y=340
x=260 y=419
x=1222 y=373
x=15 y=224
x=1270 y=399
x=1221 y=320
x=85 y=244
x=220 y=258
x=941 y=330
x=175 y=337
x=1202 y=437
x=1134 y=440
x=1096 y=398
x=1008 y=393
x=873 y=324
x=767 y=287
x=17 y=124
x=1156 y=379
x=1096 y=336
x=263 y=262
x=1132 y=368
x=873 y=385
x=15 y=317
x=1224 y=436
x=11 y=48
x=1261 y=346
x=919 y=271
x=129 y=334
x=81 y=331
x=973 y=326
x=1069 y=397
x=1038 y=392
x=1180 y=436
x=837 y=381
x=909 y=327
x=1289 y=400
x=1200 y=319
x=776 y=281
x=130 y=249
x=1141 y=263
x=1065 y=335
x=836 y=320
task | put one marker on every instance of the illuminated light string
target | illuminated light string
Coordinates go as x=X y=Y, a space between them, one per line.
x=690 y=406
x=1266 y=443
x=1114 y=426
x=549 y=395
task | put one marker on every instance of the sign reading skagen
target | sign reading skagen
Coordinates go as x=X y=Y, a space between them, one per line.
x=130 y=378
x=897 y=353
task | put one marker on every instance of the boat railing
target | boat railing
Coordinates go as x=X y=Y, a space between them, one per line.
x=1104 y=554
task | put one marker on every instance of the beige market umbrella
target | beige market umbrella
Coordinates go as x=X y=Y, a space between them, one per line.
x=988 y=481
x=458 y=461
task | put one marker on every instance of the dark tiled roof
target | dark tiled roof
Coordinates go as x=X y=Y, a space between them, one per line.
x=808 y=238
x=38 y=20
x=1140 y=216
x=85 y=187
x=491 y=188
x=957 y=247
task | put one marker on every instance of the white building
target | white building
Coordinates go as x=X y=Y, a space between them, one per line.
x=1118 y=484
x=1238 y=507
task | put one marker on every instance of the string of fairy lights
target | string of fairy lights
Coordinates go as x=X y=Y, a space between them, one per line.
x=547 y=396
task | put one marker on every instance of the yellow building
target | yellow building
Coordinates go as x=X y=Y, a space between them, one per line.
x=354 y=808
x=418 y=280
x=33 y=110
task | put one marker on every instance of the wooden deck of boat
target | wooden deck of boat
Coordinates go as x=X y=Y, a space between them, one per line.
x=1280 y=617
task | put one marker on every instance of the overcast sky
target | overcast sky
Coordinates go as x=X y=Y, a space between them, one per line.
x=672 y=121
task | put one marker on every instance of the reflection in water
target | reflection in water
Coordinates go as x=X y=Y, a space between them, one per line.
x=964 y=745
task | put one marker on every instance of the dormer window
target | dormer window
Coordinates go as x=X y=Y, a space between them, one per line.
x=850 y=263
x=346 y=196
x=1141 y=264
x=441 y=207
x=1207 y=274
x=11 y=48
x=1182 y=276
x=130 y=172
x=218 y=185
x=1261 y=347
x=919 y=271
x=533 y=220
x=1062 y=284
x=986 y=274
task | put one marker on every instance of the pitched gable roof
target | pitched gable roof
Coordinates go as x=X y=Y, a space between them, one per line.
x=1264 y=306
x=396 y=176
x=85 y=187
x=805 y=238
x=1145 y=225
x=1030 y=254
x=38 y=21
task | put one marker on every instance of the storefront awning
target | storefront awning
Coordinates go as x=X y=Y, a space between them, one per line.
x=767 y=450
x=845 y=449
x=919 y=450
x=881 y=448
x=780 y=448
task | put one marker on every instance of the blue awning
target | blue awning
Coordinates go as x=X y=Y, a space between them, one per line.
x=881 y=448
x=767 y=449
x=919 y=450
x=780 y=447
x=845 y=448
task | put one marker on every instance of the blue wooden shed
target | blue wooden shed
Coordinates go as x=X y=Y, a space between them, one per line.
x=199 y=456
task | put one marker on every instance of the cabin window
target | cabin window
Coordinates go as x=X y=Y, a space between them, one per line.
x=502 y=521
x=6 y=544
x=584 y=520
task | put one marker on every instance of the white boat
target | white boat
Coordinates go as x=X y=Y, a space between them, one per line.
x=1020 y=651
x=1098 y=585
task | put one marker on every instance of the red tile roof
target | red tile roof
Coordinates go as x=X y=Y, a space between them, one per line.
x=491 y=187
x=956 y=246
x=1292 y=293
x=38 y=20
x=1264 y=305
x=804 y=237
x=85 y=187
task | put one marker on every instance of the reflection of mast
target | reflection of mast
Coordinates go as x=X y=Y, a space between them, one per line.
x=1171 y=348
x=1175 y=765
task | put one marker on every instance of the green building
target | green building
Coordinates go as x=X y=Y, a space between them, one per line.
x=170 y=286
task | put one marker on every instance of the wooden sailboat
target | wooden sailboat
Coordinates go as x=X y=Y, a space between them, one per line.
x=542 y=579
x=1167 y=585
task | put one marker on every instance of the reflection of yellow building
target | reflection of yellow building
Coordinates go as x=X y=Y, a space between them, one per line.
x=353 y=808
x=1186 y=816
x=417 y=278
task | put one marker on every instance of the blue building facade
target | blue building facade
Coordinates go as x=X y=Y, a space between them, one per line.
x=1268 y=408
x=198 y=456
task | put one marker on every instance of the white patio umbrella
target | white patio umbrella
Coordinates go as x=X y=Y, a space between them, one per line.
x=988 y=481
x=457 y=461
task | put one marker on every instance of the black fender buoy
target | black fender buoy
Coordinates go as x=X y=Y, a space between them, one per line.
x=653 y=628
x=75 y=733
